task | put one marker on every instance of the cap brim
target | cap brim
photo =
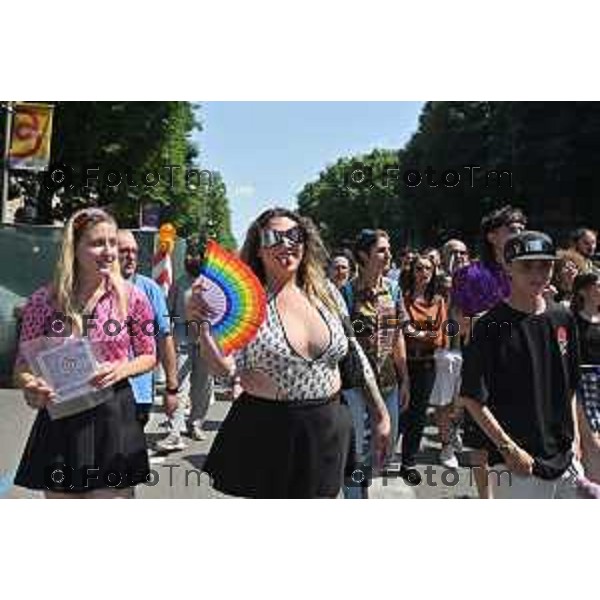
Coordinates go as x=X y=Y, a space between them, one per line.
x=551 y=257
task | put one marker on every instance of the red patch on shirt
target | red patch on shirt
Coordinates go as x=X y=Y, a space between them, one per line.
x=562 y=337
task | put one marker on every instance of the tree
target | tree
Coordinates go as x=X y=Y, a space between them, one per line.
x=355 y=193
x=216 y=217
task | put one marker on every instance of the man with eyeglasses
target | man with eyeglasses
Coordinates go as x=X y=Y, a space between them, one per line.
x=143 y=385
x=583 y=241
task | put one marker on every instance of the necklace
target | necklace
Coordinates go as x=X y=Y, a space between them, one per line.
x=595 y=318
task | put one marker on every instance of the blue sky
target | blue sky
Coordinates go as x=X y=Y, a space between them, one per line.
x=267 y=151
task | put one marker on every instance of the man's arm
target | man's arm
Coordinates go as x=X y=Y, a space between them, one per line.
x=478 y=359
x=168 y=358
x=399 y=352
x=516 y=459
x=399 y=355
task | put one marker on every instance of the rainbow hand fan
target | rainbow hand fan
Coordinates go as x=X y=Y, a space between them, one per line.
x=237 y=296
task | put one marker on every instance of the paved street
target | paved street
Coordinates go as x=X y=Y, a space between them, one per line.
x=178 y=474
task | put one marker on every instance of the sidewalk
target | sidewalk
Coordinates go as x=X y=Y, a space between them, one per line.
x=177 y=475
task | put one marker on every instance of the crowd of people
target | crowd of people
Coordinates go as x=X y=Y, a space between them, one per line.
x=450 y=294
x=356 y=350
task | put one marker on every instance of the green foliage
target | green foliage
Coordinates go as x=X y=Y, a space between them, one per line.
x=149 y=140
x=341 y=204
x=551 y=148
x=217 y=216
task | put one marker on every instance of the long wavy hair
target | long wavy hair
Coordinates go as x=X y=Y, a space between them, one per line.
x=311 y=276
x=66 y=276
x=501 y=216
x=430 y=294
x=564 y=257
x=581 y=283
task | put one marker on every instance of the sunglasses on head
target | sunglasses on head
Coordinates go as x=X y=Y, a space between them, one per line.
x=516 y=226
x=269 y=238
x=366 y=237
x=87 y=216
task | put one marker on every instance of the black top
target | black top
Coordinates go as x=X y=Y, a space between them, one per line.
x=589 y=341
x=524 y=367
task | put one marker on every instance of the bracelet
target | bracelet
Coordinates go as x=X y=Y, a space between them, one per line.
x=171 y=390
x=506 y=447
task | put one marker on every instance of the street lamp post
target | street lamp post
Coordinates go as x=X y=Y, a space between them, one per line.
x=8 y=107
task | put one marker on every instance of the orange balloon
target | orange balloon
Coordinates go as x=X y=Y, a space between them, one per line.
x=167 y=233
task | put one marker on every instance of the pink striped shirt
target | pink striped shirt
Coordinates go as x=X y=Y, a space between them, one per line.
x=112 y=338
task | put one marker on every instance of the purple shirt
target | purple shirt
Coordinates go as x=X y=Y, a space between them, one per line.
x=478 y=287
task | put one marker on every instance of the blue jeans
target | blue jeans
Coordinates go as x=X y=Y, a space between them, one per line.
x=355 y=399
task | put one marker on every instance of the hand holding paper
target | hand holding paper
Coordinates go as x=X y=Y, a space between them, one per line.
x=107 y=374
x=38 y=393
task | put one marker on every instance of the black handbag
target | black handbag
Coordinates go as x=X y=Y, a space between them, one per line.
x=351 y=366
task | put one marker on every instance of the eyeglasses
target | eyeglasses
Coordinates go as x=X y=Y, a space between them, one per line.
x=269 y=238
x=133 y=251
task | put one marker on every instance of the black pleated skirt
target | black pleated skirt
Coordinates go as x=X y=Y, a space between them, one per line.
x=103 y=447
x=275 y=449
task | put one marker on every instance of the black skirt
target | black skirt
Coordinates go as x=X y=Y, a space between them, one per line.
x=276 y=449
x=103 y=447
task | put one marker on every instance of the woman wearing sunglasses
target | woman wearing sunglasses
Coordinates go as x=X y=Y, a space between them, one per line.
x=428 y=313
x=287 y=435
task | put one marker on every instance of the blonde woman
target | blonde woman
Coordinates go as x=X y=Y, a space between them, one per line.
x=287 y=435
x=100 y=452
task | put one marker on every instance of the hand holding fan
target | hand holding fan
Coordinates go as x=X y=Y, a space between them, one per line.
x=236 y=296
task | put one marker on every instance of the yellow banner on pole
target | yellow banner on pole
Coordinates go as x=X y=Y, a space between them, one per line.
x=31 y=135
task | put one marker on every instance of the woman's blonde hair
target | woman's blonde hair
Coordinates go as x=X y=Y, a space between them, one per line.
x=311 y=276
x=66 y=271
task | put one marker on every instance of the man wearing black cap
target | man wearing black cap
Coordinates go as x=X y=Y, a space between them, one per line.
x=520 y=372
x=476 y=288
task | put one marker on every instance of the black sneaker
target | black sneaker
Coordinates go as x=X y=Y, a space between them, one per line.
x=411 y=475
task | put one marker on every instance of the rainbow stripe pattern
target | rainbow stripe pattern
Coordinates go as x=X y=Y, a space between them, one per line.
x=242 y=299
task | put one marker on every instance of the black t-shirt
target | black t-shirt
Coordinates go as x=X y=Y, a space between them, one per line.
x=589 y=341
x=524 y=367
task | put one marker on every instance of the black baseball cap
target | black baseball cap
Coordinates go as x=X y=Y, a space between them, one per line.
x=529 y=245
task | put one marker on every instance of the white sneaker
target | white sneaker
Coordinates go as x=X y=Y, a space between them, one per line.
x=171 y=443
x=456 y=439
x=197 y=433
x=448 y=457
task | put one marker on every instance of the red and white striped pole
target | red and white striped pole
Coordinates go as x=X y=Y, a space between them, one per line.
x=162 y=266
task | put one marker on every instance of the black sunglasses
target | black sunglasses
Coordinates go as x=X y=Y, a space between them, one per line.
x=269 y=238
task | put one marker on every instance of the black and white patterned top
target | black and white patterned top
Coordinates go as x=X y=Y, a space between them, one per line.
x=589 y=395
x=296 y=377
